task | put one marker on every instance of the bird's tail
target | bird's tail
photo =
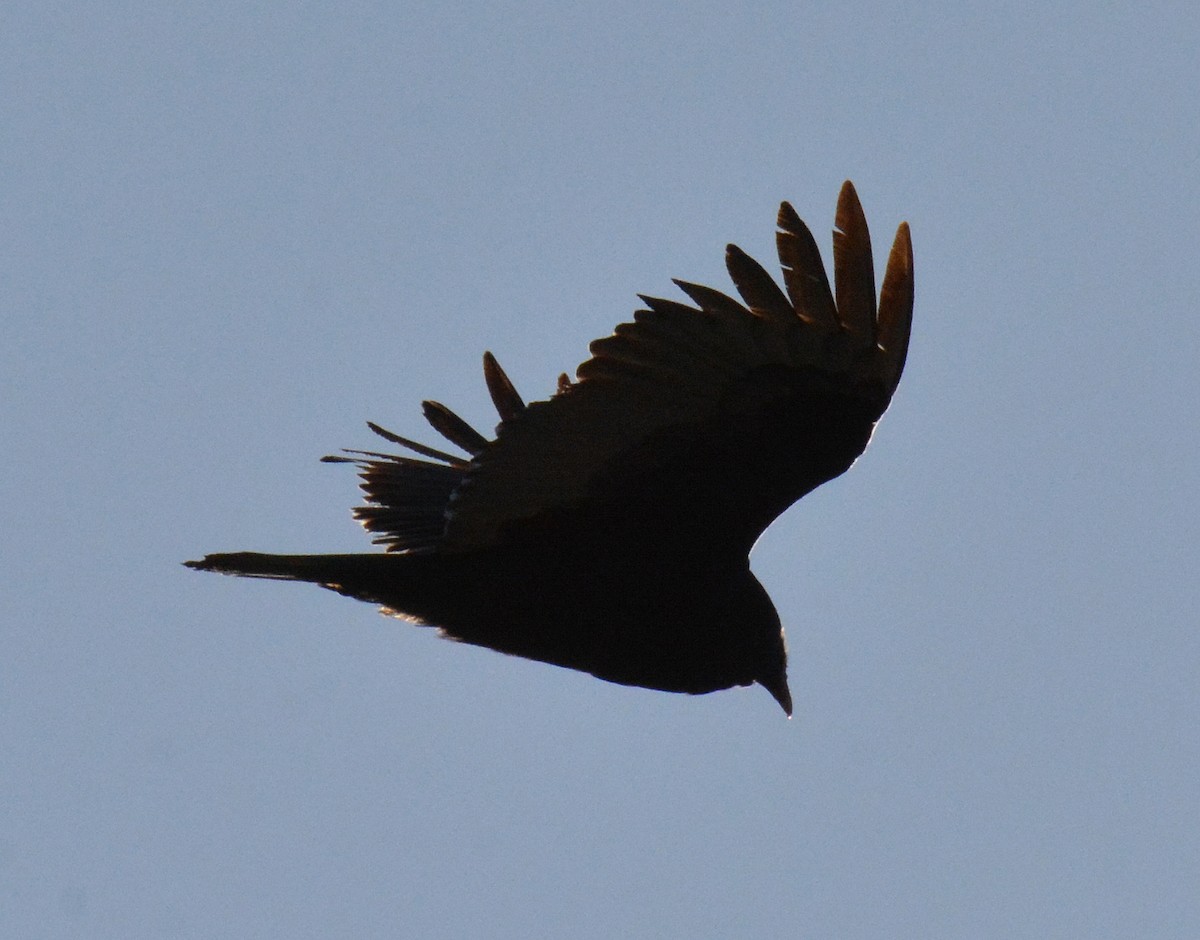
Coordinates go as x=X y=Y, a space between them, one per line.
x=377 y=578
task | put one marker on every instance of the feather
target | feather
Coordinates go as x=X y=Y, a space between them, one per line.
x=803 y=272
x=504 y=396
x=853 y=269
x=452 y=427
x=413 y=446
x=896 y=307
x=758 y=289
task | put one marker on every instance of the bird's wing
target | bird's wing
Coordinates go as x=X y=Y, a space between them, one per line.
x=407 y=497
x=703 y=421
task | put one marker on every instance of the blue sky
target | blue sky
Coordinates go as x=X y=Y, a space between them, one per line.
x=234 y=234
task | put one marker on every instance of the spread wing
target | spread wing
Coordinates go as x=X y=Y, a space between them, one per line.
x=689 y=426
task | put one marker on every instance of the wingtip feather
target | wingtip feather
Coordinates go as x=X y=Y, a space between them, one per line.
x=504 y=394
x=896 y=306
x=853 y=266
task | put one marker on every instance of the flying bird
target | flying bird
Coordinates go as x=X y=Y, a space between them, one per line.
x=608 y=529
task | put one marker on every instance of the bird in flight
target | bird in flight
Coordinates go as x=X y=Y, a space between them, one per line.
x=608 y=529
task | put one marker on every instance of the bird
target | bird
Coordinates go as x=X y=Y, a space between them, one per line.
x=608 y=528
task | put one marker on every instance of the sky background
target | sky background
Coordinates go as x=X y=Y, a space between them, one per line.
x=233 y=233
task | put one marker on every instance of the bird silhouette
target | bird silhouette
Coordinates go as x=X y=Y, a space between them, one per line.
x=608 y=528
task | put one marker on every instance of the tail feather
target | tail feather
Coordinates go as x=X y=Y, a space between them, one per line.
x=376 y=578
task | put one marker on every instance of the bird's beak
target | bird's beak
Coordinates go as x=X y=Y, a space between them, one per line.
x=778 y=688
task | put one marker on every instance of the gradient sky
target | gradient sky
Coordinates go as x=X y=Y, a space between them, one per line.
x=234 y=233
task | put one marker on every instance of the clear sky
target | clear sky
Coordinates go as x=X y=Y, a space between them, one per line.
x=233 y=233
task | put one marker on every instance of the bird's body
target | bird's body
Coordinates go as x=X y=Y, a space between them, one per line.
x=675 y=624
x=608 y=529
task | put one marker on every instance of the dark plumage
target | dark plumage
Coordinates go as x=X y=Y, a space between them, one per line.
x=608 y=529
